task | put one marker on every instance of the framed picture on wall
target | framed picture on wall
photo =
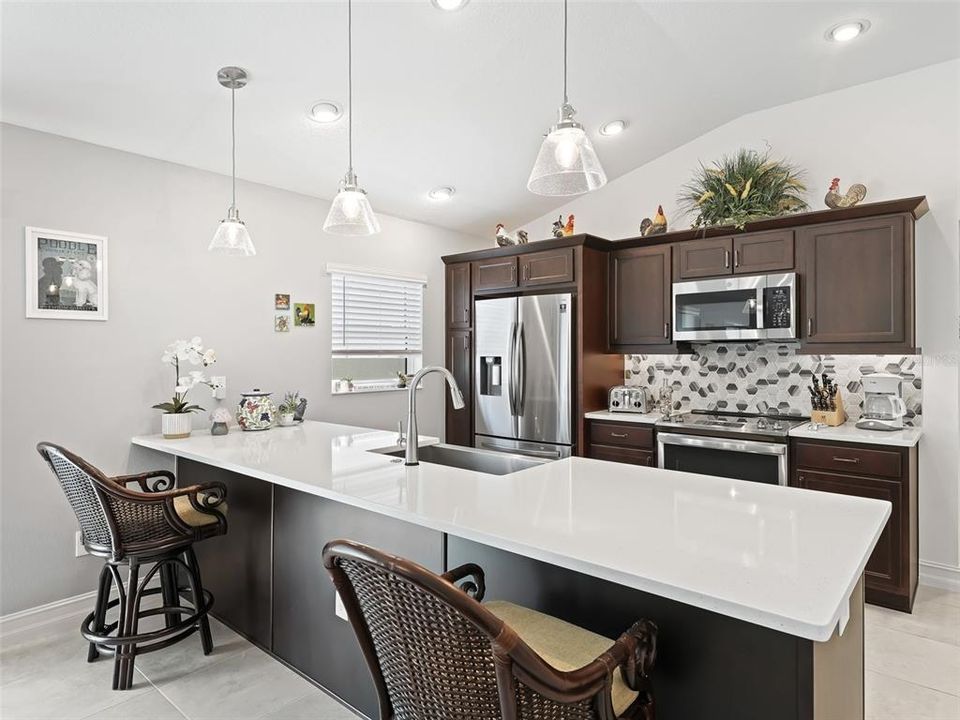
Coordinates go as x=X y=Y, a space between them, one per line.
x=66 y=275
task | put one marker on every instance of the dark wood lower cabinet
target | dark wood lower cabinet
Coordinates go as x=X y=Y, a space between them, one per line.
x=623 y=442
x=882 y=473
x=306 y=630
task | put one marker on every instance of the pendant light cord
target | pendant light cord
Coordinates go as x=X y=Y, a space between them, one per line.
x=350 y=87
x=564 y=52
x=233 y=144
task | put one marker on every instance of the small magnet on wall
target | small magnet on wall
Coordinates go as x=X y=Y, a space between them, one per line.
x=218 y=386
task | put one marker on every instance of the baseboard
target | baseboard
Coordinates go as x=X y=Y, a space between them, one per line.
x=940 y=575
x=48 y=613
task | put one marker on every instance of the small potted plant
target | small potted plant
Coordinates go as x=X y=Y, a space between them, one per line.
x=288 y=408
x=176 y=421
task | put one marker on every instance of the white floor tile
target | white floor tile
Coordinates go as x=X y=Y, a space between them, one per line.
x=888 y=698
x=930 y=619
x=919 y=660
x=315 y=706
x=925 y=592
x=150 y=705
x=247 y=685
x=187 y=656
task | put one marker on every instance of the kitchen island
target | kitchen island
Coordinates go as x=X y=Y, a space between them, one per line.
x=756 y=589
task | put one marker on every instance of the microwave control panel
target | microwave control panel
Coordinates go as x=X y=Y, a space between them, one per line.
x=777 y=302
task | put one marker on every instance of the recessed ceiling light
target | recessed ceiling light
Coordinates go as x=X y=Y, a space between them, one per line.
x=847 y=31
x=449 y=4
x=325 y=111
x=614 y=127
x=442 y=193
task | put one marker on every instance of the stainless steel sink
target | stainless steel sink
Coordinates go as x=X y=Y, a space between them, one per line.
x=492 y=463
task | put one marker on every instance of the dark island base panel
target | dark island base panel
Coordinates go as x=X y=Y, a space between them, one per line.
x=269 y=584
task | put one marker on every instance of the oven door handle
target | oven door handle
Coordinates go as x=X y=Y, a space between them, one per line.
x=713 y=443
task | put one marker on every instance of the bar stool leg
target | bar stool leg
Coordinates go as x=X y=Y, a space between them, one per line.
x=196 y=591
x=100 y=609
x=126 y=652
x=170 y=591
x=121 y=622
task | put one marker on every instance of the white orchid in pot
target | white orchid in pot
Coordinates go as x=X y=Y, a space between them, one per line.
x=178 y=411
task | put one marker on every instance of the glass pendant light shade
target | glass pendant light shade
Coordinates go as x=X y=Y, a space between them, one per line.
x=232 y=237
x=567 y=163
x=351 y=213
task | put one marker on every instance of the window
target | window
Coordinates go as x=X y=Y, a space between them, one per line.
x=376 y=329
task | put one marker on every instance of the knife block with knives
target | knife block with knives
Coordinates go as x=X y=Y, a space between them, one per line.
x=826 y=402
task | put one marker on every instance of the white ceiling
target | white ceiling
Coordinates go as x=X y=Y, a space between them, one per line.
x=458 y=98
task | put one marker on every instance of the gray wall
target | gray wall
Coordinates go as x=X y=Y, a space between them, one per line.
x=90 y=385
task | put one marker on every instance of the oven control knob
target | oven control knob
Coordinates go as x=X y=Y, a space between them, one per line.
x=761 y=424
x=777 y=425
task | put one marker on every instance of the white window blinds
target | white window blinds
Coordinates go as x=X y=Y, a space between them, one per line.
x=376 y=314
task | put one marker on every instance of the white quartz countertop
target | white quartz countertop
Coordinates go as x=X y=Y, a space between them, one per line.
x=849 y=432
x=779 y=557
x=639 y=418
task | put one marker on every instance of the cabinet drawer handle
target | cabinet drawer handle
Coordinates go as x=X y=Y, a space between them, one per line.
x=847 y=460
x=736 y=258
x=526 y=272
x=619 y=435
x=809 y=326
x=726 y=258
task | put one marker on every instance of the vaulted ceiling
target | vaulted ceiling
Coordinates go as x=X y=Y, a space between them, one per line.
x=441 y=98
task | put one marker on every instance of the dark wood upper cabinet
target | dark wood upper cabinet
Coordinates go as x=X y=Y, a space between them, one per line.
x=547 y=268
x=459 y=296
x=858 y=284
x=495 y=273
x=704 y=258
x=459 y=361
x=763 y=252
x=638 y=307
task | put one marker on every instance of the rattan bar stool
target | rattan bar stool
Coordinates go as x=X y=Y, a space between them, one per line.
x=436 y=652
x=152 y=528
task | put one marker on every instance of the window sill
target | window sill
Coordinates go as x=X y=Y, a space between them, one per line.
x=368 y=390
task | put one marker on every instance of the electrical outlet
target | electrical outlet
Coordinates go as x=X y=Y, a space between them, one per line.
x=218 y=386
x=78 y=549
x=339 y=609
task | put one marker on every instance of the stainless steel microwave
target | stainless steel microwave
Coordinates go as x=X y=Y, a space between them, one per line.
x=754 y=307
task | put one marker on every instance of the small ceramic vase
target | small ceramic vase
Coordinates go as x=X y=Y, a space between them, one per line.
x=176 y=425
x=256 y=410
x=286 y=419
x=219 y=428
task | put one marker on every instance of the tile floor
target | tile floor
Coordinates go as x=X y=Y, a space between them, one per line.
x=913 y=673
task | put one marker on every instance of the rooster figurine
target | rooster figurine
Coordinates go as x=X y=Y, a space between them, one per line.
x=505 y=239
x=854 y=195
x=558 y=227
x=568 y=228
x=656 y=226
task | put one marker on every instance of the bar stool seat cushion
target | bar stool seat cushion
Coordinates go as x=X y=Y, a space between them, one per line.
x=561 y=644
x=191 y=516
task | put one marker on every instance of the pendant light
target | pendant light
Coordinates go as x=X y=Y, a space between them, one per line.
x=350 y=212
x=567 y=163
x=232 y=237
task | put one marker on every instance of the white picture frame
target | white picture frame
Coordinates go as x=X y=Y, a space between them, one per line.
x=72 y=270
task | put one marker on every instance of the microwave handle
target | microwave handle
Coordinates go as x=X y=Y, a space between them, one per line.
x=760 y=323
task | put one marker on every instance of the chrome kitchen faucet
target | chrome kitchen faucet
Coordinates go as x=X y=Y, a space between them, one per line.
x=412 y=456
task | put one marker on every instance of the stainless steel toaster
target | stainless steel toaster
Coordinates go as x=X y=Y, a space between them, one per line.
x=627 y=399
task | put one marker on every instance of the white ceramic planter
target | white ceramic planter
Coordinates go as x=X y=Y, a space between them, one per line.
x=176 y=425
x=286 y=419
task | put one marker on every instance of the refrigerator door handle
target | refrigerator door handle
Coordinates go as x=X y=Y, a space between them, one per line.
x=521 y=369
x=511 y=376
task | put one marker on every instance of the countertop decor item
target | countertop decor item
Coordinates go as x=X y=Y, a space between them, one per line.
x=219 y=417
x=350 y=212
x=402 y=379
x=854 y=195
x=288 y=408
x=656 y=226
x=505 y=239
x=665 y=400
x=827 y=402
x=256 y=410
x=742 y=188
x=177 y=415
x=232 y=237
x=66 y=275
x=567 y=163
x=304 y=314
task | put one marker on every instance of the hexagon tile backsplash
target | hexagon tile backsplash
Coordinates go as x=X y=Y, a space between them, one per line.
x=768 y=378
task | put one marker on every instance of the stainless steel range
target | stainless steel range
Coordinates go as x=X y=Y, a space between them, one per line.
x=734 y=445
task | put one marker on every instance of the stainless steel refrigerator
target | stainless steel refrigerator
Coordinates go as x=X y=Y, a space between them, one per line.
x=522 y=400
